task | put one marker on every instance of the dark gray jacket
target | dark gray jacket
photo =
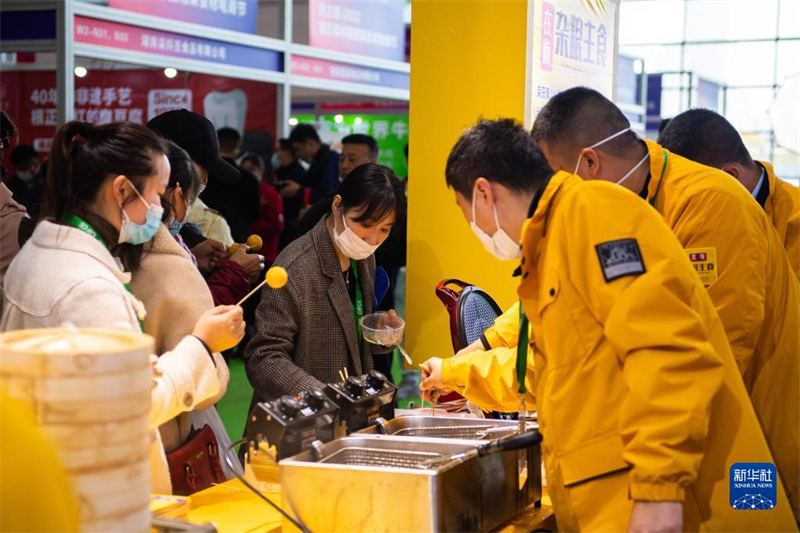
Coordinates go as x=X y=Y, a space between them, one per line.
x=306 y=330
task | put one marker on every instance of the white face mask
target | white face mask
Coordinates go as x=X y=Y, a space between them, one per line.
x=351 y=244
x=499 y=244
x=595 y=145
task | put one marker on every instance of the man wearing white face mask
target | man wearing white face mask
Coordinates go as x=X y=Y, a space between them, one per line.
x=640 y=402
x=308 y=331
x=731 y=243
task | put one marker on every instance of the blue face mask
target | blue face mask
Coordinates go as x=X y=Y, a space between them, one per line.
x=134 y=233
x=276 y=163
x=175 y=227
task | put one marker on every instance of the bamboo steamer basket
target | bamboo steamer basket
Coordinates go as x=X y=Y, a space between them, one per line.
x=89 y=391
x=121 y=524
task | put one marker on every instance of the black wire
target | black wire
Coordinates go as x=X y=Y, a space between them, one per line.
x=297 y=523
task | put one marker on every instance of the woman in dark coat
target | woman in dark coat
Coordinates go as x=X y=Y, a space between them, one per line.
x=307 y=331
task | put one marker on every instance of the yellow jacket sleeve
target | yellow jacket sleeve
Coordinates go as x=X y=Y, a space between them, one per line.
x=488 y=379
x=671 y=370
x=505 y=330
x=739 y=291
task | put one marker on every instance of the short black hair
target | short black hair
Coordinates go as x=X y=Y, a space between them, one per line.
x=500 y=151
x=578 y=118
x=372 y=188
x=285 y=144
x=229 y=139
x=360 y=138
x=304 y=132
x=705 y=137
x=24 y=153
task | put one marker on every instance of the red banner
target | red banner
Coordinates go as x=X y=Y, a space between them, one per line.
x=104 y=96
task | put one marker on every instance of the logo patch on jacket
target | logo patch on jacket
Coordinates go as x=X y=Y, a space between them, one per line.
x=620 y=258
x=704 y=261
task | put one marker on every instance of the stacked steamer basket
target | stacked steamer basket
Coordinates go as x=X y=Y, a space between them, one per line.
x=89 y=390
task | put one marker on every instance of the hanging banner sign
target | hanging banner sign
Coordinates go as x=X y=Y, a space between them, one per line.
x=332 y=70
x=372 y=28
x=136 y=95
x=235 y=15
x=574 y=43
x=138 y=39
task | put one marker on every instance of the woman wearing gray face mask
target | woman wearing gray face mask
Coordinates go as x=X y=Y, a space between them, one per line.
x=307 y=331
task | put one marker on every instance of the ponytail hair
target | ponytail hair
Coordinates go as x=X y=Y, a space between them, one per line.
x=84 y=156
x=371 y=188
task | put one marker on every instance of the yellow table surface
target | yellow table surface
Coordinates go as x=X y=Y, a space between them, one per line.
x=234 y=509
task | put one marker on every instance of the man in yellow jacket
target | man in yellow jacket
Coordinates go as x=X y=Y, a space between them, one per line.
x=641 y=405
x=727 y=237
x=706 y=137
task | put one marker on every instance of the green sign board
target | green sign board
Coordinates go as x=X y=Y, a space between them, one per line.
x=390 y=131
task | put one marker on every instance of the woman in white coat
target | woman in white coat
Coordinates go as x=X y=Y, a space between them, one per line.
x=102 y=202
x=175 y=295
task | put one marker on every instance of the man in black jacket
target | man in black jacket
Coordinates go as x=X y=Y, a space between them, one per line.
x=322 y=178
x=239 y=203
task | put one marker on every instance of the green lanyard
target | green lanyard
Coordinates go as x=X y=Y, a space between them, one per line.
x=358 y=307
x=78 y=222
x=522 y=350
x=660 y=181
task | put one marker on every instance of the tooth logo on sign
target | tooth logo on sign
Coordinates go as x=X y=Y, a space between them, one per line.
x=226 y=109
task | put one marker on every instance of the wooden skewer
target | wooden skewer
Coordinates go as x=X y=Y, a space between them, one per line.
x=341 y=375
x=253 y=291
x=346 y=373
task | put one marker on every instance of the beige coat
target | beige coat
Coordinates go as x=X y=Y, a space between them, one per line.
x=212 y=224
x=64 y=276
x=175 y=295
x=11 y=213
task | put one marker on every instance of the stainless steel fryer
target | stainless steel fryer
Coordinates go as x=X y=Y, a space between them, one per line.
x=358 y=483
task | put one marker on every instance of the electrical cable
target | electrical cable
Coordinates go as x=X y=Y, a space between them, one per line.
x=297 y=523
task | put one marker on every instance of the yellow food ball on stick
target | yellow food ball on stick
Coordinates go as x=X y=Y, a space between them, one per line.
x=276 y=278
x=254 y=244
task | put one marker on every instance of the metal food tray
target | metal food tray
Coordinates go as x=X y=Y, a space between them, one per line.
x=446 y=427
x=356 y=484
x=364 y=456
